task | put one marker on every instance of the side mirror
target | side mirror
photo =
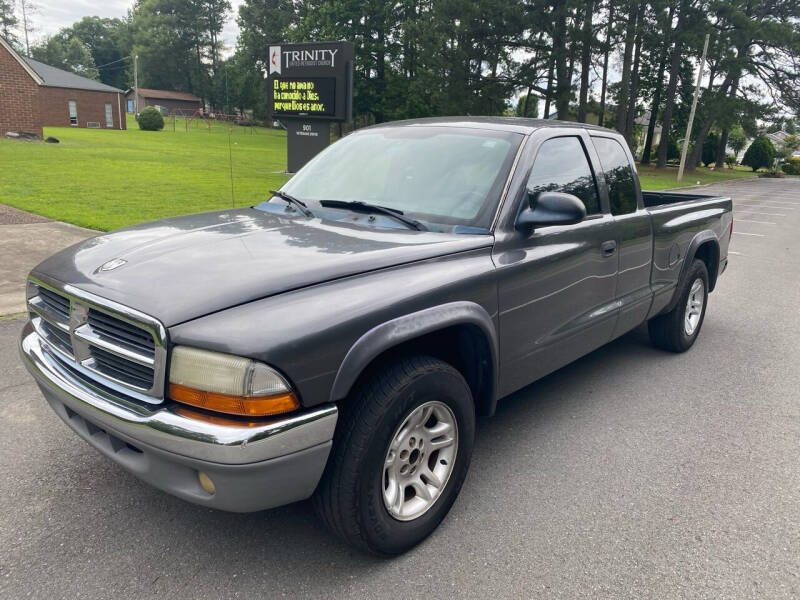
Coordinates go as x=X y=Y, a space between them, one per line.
x=551 y=208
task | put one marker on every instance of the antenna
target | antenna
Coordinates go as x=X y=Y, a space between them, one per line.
x=230 y=165
x=230 y=128
x=136 y=84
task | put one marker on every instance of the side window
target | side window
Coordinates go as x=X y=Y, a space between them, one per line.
x=561 y=166
x=73 y=112
x=619 y=175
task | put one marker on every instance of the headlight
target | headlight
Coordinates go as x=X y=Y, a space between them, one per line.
x=228 y=384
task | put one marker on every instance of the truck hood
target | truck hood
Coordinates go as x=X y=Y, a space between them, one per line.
x=185 y=267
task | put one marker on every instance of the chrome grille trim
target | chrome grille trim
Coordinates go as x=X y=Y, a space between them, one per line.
x=117 y=346
x=120 y=370
x=43 y=310
x=55 y=303
x=120 y=332
x=89 y=335
x=54 y=336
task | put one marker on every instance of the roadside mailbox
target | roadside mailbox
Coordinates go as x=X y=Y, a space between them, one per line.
x=310 y=86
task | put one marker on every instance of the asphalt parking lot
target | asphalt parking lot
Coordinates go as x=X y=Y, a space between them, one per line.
x=631 y=473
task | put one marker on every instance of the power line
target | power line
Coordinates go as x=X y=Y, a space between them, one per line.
x=114 y=62
x=115 y=68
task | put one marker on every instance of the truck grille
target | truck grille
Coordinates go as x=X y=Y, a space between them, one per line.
x=121 y=369
x=58 y=305
x=57 y=337
x=103 y=341
x=121 y=332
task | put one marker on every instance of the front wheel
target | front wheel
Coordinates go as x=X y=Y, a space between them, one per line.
x=400 y=455
x=678 y=329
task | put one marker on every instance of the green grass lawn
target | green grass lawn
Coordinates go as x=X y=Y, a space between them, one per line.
x=662 y=179
x=109 y=179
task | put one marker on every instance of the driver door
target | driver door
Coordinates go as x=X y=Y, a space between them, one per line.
x=557 y=283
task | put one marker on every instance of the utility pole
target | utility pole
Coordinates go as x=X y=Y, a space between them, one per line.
x=25 y=27
x=136 y=84
x=691 y=112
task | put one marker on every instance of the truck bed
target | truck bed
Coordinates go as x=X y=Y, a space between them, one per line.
x=676 y=220
x=654 y=199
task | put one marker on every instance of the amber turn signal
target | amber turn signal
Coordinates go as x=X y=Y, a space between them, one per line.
x=216 y=418
x=257 y=406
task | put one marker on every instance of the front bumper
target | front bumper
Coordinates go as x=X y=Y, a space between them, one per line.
x=253 y=467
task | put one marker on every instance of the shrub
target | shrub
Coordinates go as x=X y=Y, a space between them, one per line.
x=151 y=120
x=673 y=150
x=730 y=160
x=737 y=139
x=761 y=153
x=791 y=166
x=790 y=145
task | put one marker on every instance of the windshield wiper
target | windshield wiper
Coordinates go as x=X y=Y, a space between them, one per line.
x=301 y=206
x=384 y=210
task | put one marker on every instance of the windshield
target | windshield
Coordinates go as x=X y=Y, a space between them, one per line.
x=445 y=176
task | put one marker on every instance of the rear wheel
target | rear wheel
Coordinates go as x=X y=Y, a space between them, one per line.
x=678 y=329
x=400 y=456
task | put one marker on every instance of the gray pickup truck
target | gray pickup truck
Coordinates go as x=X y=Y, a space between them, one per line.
x=339 y=339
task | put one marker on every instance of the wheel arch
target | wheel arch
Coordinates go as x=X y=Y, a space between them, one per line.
x=704 y=246
x=460 y=333
x=708 y=251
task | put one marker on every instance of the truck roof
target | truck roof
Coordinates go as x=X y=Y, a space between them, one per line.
x=514 y=124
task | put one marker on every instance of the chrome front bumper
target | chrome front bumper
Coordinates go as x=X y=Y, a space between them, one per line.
x=254 y=467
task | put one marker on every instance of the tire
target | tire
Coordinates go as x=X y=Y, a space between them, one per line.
x=673 y=331
x=350 y=496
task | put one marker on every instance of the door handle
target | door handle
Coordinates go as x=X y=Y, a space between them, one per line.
x=609 y=248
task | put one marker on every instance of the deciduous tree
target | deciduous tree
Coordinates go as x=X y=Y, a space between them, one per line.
x=71 y=55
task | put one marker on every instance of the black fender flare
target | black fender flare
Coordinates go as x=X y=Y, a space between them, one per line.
x=408 y=327
x=697 y=241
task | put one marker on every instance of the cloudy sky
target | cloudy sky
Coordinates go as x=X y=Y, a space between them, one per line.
x=52 y=15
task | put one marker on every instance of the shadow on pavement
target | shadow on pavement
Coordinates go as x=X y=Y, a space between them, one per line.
x=287 y=540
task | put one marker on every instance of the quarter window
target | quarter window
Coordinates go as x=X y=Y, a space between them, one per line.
x=619 y=175
x=73 y=112
x=561 y=166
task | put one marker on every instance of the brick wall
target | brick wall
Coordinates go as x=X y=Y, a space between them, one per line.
x=19 y=97
x=54 y=108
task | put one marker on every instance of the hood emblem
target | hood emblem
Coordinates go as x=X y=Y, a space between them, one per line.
x=113 y=264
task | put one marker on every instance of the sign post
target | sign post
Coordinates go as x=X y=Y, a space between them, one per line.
x=310 y=86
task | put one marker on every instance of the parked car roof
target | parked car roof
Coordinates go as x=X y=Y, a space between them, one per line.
x=515 y=124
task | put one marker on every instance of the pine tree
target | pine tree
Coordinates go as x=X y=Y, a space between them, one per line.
x=8 y=22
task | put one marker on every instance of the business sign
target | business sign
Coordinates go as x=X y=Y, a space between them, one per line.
x=312 y=96
x=311 y=81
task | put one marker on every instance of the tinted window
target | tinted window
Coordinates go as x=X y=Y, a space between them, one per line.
x=619 y=175
x=562 y=166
